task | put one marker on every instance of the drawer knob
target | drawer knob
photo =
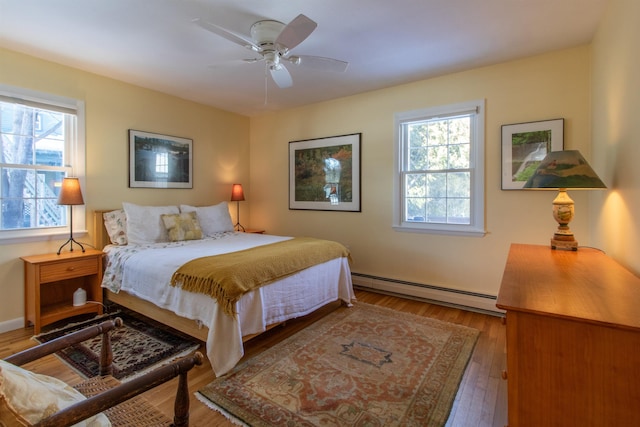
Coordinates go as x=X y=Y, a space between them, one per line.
x=71 y=268
x=504 y=375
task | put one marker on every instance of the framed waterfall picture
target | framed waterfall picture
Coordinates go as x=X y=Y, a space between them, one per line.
x=524 y=145
x=159 y=161
x=324 y=173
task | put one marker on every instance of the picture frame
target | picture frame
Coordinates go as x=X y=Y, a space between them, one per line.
x=324 y=173
x=159 y=161
x=524 y=145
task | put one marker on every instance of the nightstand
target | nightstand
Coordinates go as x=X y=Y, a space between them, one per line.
x=254 y=230
x=50 y=281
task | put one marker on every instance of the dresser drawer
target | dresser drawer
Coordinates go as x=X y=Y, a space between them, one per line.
x=68 y=269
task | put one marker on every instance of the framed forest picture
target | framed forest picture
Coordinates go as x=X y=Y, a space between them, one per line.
x=324 y=173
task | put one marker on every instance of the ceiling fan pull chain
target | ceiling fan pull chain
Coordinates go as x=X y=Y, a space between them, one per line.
x=266 y=84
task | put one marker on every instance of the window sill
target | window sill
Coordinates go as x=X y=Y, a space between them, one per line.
x=443 y=231
x=16 y=237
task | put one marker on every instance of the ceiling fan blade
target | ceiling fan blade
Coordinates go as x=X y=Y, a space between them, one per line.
x=223 y=32
x=253 y=60
x=295 y=32
x=281 y=76
x=319 y=63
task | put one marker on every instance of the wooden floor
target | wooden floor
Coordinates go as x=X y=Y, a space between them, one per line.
x=481 y=399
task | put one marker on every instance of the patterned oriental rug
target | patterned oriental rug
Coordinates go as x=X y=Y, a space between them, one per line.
x=138 y=347
x=364 y=365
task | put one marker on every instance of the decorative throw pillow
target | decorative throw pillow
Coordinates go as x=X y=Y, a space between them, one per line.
x=115 y=222
x=29 y=397
x=144 y=224
x=213 y=219
x=182 y=226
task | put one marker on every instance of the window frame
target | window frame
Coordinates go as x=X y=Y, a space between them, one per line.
x=74 y=160
x=476 y=227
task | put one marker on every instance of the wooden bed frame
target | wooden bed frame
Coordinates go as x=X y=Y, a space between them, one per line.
x=146 y=308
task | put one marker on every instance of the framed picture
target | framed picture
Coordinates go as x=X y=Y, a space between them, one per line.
x=324 y=173
x=159 y=161
x=524 y=145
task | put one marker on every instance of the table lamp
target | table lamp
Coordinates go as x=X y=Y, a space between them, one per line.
x=70 y=194
x=237 y=195
x=561 y=170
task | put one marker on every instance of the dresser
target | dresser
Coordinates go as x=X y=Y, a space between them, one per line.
x=573 y=338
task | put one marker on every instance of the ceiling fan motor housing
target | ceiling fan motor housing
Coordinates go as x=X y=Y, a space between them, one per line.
x=265 y=33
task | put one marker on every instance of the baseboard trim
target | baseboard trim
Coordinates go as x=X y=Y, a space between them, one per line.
x=11 y=325
x=465 y=300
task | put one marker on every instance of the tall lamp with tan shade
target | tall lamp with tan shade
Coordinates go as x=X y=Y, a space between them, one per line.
x=561 y=170
x=237 y=195
x=70 y=195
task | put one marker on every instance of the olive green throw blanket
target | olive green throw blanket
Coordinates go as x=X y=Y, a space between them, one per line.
x=227 y=277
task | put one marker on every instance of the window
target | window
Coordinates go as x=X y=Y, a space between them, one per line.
x=42 y=141
x=439 y=179
x=162 y=165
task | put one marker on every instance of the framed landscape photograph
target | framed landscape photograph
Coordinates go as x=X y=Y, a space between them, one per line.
x=159 y=161
x=324 y=173
x=524 y=145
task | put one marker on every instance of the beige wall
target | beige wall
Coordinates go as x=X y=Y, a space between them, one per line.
x=616 y=133
x=554 y=85
x=220 y=146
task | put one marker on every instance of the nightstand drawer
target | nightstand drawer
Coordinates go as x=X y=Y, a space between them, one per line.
x=68 y=269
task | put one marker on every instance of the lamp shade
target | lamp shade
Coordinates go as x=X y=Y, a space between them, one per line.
x=564 y=169
x=237 y=195
x=70 y=193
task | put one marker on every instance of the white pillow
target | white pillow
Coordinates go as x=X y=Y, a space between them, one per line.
x=213 y=219
x=115 y=222
x=32 y=397
x=144 y=224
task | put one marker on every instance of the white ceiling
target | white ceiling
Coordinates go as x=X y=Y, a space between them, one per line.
x=154 y=44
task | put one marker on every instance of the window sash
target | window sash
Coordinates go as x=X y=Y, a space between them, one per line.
x=411 y=211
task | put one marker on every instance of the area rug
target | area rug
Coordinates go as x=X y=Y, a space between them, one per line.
x=358 y=366
x=138 y=347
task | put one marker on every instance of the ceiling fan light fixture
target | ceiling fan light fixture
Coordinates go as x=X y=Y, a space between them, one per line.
x=272 y=58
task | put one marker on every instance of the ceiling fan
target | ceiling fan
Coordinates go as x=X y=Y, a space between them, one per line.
x=273 y=42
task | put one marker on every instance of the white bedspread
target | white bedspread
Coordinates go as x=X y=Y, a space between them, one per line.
x=145 y=272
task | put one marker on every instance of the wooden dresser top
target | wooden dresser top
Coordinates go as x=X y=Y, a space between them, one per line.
x=584 y=285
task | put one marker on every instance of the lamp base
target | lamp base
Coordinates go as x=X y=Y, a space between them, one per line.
x=564 y=242
x=70 y=241
x=563 y=211
x=238 y=227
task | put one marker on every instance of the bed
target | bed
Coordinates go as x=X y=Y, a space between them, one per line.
x=138 y=276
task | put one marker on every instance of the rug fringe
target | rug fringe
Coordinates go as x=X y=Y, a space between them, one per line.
x=215 y=407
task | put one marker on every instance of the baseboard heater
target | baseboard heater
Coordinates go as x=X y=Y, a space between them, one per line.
x=435 y=294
